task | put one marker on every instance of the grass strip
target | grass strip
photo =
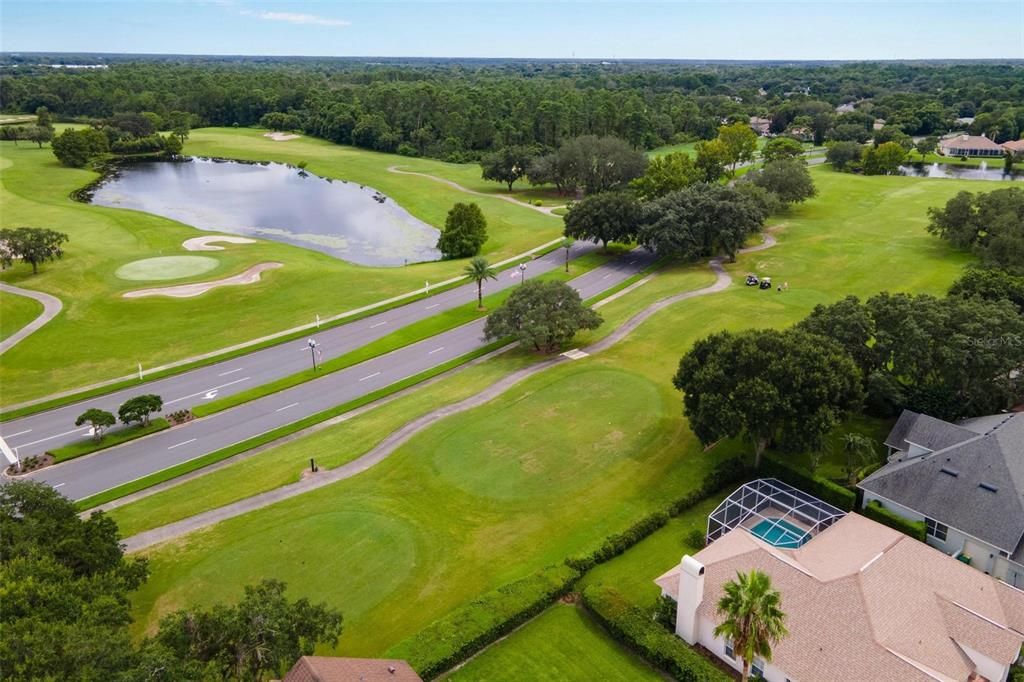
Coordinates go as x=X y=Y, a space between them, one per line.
x=86 y=394
x=280 y=432
x=89 y=445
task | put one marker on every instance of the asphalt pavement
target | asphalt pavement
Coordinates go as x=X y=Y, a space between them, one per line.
x=35 y=434
x=106 y=469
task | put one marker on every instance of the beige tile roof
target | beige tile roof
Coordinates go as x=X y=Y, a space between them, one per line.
x=334 y=669
x=975 y=142
x=865 y=602
x=1014 y=145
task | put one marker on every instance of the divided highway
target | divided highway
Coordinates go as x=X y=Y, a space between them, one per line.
x=37 y=433
x=109 y=468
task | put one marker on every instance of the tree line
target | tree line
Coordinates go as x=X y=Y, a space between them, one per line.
x=461 y=110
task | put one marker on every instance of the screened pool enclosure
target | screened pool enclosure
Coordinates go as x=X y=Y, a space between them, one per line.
x=775 y=512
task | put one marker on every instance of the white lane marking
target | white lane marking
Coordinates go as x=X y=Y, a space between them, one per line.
x=632 y=262
x=193 y=395
x=607 y=276
x=436 y=350
x=379 y=324
x=66 y=433
x=280 y=409
x=231 y=371
x=432 y=306
x=370 y=376
x=190 y=440
x=58 y=485
x=19 y=433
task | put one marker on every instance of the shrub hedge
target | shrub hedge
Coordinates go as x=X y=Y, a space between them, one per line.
x=460 y=634
x=822 y=488
x=636 y=630
x=876 y=512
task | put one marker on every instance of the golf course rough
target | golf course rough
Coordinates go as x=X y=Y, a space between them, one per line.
x=166 y=267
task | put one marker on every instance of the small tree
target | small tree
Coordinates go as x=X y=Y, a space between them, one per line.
x=788 y=179
x=782 y=148
x=180 y=123
x=740 y=143
x=100 y=420
x=666 y=174
x=926 y=145
x=10 y=134
x=506 y=165
x=465 y=231
x=859 y=450
x=479 y=270
x=542 y=316
x=43 y=118
x=567 y=245
x=33 y=245
x=754 y=620
x=605 y=217
x=38 y=134
x=842 y=154
x=139 y=408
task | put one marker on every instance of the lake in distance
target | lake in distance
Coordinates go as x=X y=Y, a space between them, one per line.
x=274 y=201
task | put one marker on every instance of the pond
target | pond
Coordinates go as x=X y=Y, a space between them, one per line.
x=945 y=170
x=274 y=201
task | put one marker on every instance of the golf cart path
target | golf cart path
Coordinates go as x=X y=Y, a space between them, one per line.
x=51 y=307
x=397 y=438
x=546 y=210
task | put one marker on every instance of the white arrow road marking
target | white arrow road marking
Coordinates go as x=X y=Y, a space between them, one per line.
x=19 y=433
x=607 y=276
x=370 y=376
x=436 y=350
x=231 y=371
x=285 y=407
x=193 y=395
x=66 y=433
x=379 y=324
x=210 y=395
x=190 y=440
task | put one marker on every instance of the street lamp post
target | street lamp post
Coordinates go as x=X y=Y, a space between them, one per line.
x=312 y=351
x=522 y=273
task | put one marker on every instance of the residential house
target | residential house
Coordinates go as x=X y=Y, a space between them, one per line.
x=334 y=669
x=1015 y=147
x=969 y=145
x=759 y=125
x=800 y=133
x=846 y=108
x=863 y=602
x=965 y=481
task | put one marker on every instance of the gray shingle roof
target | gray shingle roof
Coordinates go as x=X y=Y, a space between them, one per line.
x=928 y=432
x=947 y=485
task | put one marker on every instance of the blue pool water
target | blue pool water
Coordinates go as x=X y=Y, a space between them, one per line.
x=780 y=533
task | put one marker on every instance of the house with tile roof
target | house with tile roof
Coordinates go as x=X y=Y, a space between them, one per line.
x=338 y=669
x=965 y=481
x=863 y=602
x=969 y=145
x=1015 y=147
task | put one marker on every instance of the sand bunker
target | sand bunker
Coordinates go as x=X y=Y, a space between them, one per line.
x=281 y=137
x=250 y=276
x=206 y=243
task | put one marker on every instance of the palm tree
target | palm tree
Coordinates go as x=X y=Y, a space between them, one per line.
x=754 y=620
x=567 y=245
x=479 y=270
x=859 y=449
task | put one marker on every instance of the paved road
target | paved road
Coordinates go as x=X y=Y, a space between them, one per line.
x=36 y=433
x=106 y=469
x=402 y=435
x=51 y=307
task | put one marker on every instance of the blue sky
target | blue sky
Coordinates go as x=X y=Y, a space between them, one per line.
x=824 y=29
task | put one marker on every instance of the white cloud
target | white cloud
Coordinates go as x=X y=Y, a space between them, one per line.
x=295 y=18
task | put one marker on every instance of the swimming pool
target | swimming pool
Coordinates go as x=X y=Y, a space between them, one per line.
x=780 y=533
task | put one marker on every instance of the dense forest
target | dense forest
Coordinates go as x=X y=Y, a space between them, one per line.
x=460 y=109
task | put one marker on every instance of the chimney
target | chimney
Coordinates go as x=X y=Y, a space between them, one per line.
x=691 y=594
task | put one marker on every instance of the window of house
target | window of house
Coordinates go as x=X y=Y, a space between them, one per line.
x=936 y=529
x=757 y=669
x=728 y=649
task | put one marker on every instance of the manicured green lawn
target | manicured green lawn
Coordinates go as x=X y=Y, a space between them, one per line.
x=550 y=467
x=16 y=311
x=563 y=643
x=102 y=335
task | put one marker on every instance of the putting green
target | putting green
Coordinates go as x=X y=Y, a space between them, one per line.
x=166 y=267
